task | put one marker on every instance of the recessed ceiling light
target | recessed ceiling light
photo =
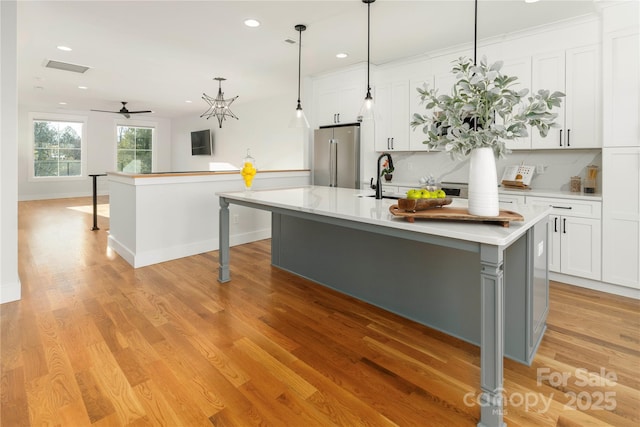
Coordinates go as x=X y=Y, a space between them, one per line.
x=188 y=102
x=62 y=103
x=65 y=48
x=252 y=23
x=530 y=1
x=341 y=55
x=83 y=87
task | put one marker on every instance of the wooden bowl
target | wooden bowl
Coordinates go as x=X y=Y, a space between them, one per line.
x=412 y=205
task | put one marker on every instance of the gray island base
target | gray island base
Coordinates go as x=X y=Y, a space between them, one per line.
x=483 y=283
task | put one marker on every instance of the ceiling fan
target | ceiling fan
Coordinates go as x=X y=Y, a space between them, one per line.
x=124 y=111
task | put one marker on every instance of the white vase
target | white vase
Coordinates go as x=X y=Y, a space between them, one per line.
x=483 y=183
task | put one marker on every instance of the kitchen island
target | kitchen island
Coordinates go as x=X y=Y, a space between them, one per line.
x=483 y=283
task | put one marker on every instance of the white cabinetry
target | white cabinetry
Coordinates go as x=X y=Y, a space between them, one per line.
x=621 y=216
x=621 y=77
x=576 y=72
x=339 y=97
x=520 y=68
x=392 y=121
x=574 y=236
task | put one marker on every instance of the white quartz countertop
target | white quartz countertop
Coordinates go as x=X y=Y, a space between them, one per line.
x=354 y=205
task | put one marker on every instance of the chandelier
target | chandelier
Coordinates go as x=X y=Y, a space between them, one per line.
x=218 y=106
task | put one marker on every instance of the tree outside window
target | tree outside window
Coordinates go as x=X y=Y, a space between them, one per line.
x=57 y=149
x=135 y=148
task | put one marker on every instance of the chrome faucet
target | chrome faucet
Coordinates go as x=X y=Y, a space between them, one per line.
x=390 y=166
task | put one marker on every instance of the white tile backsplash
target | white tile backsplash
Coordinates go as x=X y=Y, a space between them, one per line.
x=560 y=166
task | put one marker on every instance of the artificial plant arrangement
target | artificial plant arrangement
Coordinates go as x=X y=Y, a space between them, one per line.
x=483 y=110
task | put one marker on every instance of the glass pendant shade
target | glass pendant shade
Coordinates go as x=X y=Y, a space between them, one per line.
x=299 y=120
x=367 y=111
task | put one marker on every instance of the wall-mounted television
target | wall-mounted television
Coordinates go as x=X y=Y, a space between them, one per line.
x=201 y=143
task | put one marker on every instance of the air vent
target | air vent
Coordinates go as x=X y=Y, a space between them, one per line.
x=65 y=66
x=289 y=41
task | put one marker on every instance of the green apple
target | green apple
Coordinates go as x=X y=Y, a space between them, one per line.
x=425 y=194
x=441 y=194
x=413 y=194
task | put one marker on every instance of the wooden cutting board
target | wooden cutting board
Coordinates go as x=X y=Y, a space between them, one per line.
x=457 y=214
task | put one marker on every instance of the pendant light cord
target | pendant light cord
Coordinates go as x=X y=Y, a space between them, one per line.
x=368 y=45
x=299 y=61
x=475 y=33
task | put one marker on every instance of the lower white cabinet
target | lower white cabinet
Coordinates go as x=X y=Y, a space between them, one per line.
x=621 y=216
x=575 y=236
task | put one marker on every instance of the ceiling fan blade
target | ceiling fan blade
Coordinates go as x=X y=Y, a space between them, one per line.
x=138 y=112
x=105 y=111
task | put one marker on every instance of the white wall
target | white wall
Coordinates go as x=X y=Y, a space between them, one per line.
x=262 y=127
x=100 y=152
x=9 y=279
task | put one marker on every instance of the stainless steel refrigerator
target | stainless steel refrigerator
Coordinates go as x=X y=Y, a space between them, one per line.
x=336 y=156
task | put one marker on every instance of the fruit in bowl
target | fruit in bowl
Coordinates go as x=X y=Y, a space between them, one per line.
x=422 y=199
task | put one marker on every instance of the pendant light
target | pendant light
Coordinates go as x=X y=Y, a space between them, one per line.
x=367 y=110
x=299 y=120
x=218 y=106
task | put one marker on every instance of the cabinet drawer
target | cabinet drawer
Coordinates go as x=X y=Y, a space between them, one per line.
x=510 y=200
x=577 y=208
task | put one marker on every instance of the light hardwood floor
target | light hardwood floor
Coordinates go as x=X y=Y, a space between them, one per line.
x=95 y=342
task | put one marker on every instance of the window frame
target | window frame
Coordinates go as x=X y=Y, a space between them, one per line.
x=136 y=124
x=57 y=117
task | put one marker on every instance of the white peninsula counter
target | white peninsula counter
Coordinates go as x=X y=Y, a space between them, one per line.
x=483 y=283
x=158 y=217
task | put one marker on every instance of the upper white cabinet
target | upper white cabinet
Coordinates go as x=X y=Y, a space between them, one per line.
x=576 y=72
x=392 y=116
x=339 y=97
x=621 y=77
x=520 y=68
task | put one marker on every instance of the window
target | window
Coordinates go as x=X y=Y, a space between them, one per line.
x=135 y=149
x=58 y=145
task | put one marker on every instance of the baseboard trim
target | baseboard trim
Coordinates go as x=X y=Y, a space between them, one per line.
x=596 y=285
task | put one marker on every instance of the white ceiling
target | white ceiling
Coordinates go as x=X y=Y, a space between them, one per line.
x=158 y=54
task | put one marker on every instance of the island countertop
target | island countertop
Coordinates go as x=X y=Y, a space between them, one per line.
x=357 y=205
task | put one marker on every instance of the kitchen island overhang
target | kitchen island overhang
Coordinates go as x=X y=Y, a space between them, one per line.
x=480 y=282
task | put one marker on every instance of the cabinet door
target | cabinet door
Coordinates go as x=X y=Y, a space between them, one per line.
x=583 y=112
x=327 y=107
x=553 y=244
x=548 y=73
x=382 y=123
x=621 y=216
x=349 y=102
x=621 y=77
x=392 y=116
x=520 y=68
x=400 y=118
x=416 y=135
x=580 y=247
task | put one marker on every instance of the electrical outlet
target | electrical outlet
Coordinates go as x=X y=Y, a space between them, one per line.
x=236 y=218
x=540 y=169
